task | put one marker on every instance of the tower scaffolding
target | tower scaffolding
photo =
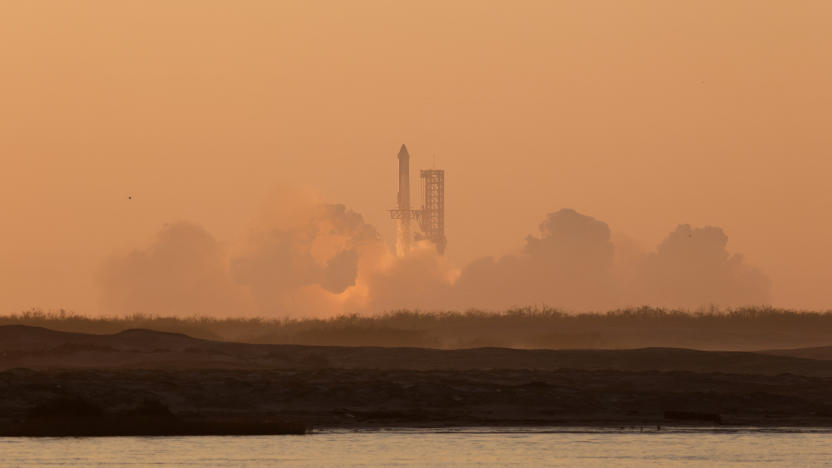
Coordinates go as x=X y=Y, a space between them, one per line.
x=433 y=210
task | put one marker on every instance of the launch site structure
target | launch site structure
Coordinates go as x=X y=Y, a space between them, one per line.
x=431 y=218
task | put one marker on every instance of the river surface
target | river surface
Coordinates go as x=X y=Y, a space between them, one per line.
x=463 y=447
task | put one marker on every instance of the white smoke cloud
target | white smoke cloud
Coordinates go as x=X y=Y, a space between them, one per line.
x=567 y=265
x=305 y=258
x=183 y=272
x=692 y=267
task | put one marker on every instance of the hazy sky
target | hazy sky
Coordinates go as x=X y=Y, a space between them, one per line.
x=642 y=114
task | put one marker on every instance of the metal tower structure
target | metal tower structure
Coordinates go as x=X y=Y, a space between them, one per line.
x=433 y=211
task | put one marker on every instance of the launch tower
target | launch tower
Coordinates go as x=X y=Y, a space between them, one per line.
x=433 y=210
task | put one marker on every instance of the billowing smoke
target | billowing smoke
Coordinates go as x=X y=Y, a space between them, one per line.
x=301 y=258
x=422 y=280
x=567 y=265
x=307 y=265
x=183 y=272
x=692 y=267
x=313 y=259
x=573 y=265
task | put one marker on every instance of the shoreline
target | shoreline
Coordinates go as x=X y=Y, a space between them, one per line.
x=600 y=429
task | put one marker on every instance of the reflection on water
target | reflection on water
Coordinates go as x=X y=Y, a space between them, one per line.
x=448 y=447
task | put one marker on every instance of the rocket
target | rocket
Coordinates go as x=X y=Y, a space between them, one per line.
x=404 y=201
x=404 y=178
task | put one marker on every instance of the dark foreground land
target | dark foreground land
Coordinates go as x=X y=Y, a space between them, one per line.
x=378 y=398
x=157 y=383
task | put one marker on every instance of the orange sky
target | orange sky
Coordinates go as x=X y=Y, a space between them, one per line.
x=644 y=115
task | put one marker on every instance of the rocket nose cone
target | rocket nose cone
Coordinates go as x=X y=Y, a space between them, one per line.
x=403 y=152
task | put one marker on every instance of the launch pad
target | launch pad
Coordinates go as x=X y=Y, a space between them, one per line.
x=430 y=218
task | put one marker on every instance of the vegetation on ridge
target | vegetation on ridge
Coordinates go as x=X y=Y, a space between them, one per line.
x=730 y=329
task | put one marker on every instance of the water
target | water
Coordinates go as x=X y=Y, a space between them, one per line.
x=466 y=447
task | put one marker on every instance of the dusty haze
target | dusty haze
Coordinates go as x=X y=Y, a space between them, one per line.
x=691 y=139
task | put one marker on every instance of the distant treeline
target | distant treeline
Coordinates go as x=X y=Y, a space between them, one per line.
x=733 y=329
